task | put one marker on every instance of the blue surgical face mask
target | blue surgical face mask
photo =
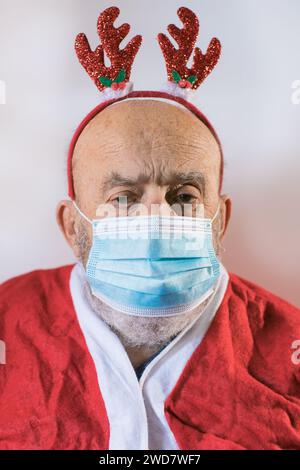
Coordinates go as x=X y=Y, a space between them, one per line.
x=152 y=266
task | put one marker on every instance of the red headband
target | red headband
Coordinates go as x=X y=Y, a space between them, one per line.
x=113 y=81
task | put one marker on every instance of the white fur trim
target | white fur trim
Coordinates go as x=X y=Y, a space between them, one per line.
x=175 y=90
x=109 y=94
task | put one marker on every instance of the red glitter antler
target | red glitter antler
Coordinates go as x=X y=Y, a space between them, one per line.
x=176 y=59
x=118 y=73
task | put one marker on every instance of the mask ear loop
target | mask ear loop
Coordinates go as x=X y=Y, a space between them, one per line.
x=212 y=220
x=216 y=213
x=81 y=213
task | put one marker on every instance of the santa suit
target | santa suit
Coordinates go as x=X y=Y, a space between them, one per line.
x=226 y=382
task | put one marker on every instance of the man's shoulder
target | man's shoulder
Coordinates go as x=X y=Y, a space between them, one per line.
x=48 y=380
x=248 y=363
x=270 y=327
x=258 y=298
x=30 y=289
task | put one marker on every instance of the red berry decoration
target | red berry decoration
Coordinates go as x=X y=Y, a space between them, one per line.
x=115 y=86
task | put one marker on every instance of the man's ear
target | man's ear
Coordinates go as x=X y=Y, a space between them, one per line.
x=65 y=217
x=226 y=213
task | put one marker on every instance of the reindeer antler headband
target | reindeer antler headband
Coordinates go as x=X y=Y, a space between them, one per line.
x=115 y=77
x=176 y=59
x=114 y=82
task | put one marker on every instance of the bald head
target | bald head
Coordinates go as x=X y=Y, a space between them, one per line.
x=149 y=151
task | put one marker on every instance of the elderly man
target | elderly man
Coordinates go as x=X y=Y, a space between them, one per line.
x=141 y=344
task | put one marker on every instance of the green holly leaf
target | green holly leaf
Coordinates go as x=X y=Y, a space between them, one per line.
x=176 y=76
x=121 y=76
x=105 y=81
x=192 y=79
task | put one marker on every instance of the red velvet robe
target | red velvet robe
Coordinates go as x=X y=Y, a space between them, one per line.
x=239 y=389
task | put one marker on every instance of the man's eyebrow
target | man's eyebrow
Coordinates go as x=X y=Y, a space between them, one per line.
x=116 y=179
x=171 y=178
x=191 y=177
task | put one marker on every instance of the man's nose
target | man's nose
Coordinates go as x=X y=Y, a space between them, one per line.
x=154 y=198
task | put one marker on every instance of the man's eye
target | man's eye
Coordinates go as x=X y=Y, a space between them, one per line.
x=124 y=199
x=185 y=198
x=120 y=200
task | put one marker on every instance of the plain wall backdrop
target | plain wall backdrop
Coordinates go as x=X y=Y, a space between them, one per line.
x=247 y=97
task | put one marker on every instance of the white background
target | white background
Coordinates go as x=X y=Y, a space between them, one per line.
x=248 y=99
